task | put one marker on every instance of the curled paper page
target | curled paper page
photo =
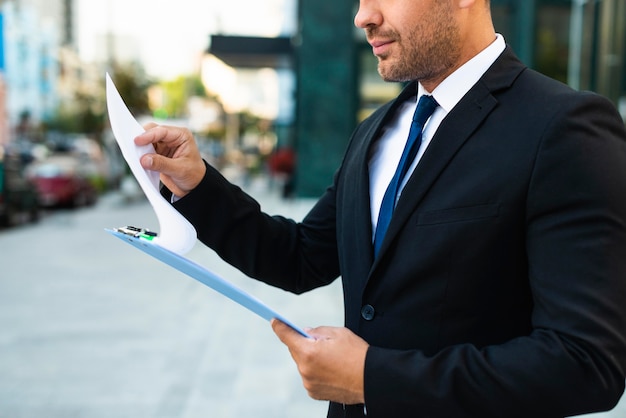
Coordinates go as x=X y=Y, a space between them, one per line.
x=175 y=232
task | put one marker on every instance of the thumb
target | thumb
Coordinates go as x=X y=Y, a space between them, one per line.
x=164 y=166
x=284 y=332
x=179 y=175
x=156 y=162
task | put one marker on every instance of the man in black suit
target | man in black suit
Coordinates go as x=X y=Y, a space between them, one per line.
x=499 y=286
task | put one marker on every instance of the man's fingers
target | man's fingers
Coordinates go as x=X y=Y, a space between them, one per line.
x=331 y=365
x=285 y=333
x=146 y=137
x=171 y=135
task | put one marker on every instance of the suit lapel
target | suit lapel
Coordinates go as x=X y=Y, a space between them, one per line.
x=457 y=127
x=359 y=239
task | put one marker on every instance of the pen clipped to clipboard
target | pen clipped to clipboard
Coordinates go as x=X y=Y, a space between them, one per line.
x=176 y=235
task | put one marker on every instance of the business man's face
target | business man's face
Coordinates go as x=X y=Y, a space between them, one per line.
x=412 y=39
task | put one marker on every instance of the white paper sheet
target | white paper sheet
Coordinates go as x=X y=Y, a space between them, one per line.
x=175 y=232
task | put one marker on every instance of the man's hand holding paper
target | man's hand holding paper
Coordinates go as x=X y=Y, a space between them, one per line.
x=177 y=157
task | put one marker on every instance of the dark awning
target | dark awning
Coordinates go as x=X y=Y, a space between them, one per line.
x=252 y=52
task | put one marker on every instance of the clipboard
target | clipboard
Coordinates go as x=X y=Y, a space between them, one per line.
x=177 y=235
x=139 y=238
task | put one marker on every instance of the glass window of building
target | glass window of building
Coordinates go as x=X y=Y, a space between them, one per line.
x=580 y=42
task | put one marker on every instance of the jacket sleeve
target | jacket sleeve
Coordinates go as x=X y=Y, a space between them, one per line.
x=281 y=252
x=574 y=359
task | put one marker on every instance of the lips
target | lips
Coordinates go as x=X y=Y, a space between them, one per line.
x=380 y=47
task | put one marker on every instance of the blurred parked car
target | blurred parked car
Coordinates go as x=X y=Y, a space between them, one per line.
x=18 y=195
x=96 y=162
x=61 y=180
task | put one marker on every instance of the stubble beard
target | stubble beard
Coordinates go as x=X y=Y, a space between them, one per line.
x=423 y=54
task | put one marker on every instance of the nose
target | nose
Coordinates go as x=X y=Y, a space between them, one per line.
x=368 y=14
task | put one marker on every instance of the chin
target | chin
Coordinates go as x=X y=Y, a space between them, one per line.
x=391 y=74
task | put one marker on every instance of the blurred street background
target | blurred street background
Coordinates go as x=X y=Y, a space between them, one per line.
x=91 y=327
x=272 y=89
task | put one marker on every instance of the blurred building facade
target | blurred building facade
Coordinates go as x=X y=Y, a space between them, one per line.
x=30 y=64
x=41 y=70
x=579 y=42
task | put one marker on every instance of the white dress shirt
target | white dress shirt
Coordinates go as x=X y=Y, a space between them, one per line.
x=387 y=150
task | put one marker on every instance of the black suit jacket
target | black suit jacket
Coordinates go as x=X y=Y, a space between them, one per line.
x=500 y=287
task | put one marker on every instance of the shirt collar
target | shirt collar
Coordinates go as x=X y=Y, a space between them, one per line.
x=451 y=90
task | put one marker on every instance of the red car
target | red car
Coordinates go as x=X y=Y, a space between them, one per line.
x=62 y=181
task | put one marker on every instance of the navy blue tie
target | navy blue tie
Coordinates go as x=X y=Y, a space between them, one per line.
x=425 y=108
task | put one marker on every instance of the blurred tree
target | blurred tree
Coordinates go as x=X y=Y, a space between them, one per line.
x=176 y=94
x=132 y=83
x=248 y=122
x=85 y=112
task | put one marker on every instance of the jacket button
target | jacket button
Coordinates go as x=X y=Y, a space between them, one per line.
x=368 y=312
